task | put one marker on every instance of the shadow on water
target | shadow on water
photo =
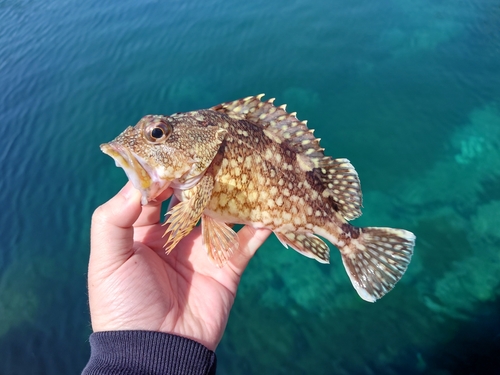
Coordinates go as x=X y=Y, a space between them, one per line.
x=33 y=348
x=394 y=336
x=475 y=348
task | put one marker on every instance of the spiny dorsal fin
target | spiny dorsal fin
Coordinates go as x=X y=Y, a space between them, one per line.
x=285 y=126
x=337 y=175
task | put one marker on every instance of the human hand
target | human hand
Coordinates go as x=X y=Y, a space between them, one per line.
x=134 y=285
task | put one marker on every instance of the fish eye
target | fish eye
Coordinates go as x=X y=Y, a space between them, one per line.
x=158 y=132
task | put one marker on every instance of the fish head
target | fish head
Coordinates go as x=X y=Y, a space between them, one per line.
x=161 y=151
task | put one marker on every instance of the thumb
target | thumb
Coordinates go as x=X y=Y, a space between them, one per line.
x=112 y=232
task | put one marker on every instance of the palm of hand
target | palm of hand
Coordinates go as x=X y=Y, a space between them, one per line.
x=181 y=293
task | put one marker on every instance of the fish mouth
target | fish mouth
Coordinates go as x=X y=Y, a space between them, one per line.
x=143 y=177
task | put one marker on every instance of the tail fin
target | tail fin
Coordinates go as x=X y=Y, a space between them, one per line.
x=377 y=259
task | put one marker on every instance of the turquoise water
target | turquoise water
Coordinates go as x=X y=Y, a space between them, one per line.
x=409 y=91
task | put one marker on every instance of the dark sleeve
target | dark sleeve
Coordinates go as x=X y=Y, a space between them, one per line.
x=146 y=352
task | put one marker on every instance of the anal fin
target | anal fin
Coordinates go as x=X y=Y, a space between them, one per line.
x=219 y=240
x=376 y=259
x=307 y=244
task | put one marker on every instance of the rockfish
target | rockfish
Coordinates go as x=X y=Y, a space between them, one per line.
x=250 y=162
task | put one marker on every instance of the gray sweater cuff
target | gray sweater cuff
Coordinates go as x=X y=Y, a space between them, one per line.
x=146 y=352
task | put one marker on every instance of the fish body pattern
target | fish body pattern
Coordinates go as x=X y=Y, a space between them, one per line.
x=250 y=162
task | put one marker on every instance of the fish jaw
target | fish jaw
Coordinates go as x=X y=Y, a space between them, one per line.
x=144 y=178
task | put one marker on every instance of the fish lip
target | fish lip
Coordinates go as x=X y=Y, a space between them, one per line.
x=144 y=178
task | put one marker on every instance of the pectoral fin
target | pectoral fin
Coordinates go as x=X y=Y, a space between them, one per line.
x=219 y=239
x=307 y=244
x=182 y=218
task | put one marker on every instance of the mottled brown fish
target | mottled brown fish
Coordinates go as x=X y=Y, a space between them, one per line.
x=250 y=162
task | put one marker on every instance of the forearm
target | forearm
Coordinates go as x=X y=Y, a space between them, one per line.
x=145 y=352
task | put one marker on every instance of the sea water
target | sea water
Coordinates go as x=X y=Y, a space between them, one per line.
x=409 y=91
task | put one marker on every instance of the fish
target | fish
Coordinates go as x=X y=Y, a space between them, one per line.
x=251 y=162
